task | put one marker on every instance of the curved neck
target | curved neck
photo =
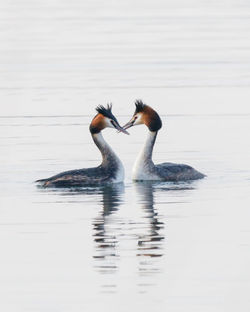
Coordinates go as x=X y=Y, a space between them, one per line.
x=108 y=155
x=147 y=150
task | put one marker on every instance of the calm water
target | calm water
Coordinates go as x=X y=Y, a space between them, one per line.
x=132 y=246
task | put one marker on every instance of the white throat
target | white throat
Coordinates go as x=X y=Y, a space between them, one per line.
x=143 y=168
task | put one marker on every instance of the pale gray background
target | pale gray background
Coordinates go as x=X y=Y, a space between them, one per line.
x=163 y=247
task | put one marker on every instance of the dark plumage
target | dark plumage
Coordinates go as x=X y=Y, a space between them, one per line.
x=139 y=106
x=81 y=177
x=107 y=112
x=177 y=172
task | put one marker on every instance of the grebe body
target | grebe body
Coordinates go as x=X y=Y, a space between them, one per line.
x=111 y=169
x=144 y=168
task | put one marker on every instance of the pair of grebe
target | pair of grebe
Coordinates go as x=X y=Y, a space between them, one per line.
x=111 y=169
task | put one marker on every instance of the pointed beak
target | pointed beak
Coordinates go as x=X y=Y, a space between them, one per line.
x=119 y=128
x=129 y=124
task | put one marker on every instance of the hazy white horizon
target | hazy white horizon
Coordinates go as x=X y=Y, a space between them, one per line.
x=60 y=57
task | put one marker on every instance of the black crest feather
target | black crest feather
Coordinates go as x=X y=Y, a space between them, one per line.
x=107 y=112
x=139 y=106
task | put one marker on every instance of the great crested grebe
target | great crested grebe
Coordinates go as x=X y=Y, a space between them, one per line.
x=111 y=169
x=144 y=168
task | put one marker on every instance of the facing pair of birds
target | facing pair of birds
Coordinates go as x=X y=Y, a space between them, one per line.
x=111 y=169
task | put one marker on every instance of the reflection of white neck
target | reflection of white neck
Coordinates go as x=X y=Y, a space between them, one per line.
x=143 y=168
x=109 y=158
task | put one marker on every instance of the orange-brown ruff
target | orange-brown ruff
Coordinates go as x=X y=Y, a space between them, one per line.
x=98 y=123
x=144 y=168
x=109 y=171
x=150 y=117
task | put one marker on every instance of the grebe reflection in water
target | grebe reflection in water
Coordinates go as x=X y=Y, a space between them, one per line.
x=150 y=243
x=105 y=232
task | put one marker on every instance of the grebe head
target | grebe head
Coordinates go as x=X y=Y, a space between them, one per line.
x=105 y=119
x=144 y=114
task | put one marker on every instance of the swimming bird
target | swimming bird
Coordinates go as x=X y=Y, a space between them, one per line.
x=109 y=171
x=144 y=168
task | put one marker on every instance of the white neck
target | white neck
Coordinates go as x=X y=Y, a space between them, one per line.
x=109 y=158
x=107 y=153
x=144 y=166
